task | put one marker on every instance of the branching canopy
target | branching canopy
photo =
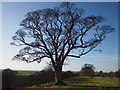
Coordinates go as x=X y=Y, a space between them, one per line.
x=56 y=33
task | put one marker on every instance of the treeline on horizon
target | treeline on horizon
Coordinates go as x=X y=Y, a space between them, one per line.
x=11 y=79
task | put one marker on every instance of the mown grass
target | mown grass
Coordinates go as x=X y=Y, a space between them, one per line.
x=96 y=81
x=81 y=83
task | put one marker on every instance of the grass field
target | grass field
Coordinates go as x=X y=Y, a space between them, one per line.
x=81 y=83
x=25 y=73
x=96 y=81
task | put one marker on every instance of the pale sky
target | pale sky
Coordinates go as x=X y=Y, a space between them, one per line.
x=14 y=13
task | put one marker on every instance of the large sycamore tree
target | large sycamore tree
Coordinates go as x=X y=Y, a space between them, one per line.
x=57 y=34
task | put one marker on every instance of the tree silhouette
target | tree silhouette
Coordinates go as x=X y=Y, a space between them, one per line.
x=59 y=33
x=88 y=70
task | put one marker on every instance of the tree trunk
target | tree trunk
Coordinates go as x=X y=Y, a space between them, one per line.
x=58 y=75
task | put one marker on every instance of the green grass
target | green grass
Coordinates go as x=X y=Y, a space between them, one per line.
x=81 y=83
x=96 y=81
x=25 y=73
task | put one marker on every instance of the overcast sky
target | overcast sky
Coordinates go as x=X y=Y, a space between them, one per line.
x=14 y=13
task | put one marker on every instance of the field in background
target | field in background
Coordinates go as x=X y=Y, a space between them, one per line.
x=25 y=73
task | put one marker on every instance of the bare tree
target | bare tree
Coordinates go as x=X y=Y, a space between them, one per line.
x=59 y=33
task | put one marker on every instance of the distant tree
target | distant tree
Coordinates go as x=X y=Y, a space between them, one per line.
x=56 y=33
x=88 y=70
x=117 y=73
x=101 y=73
x=111 y=74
